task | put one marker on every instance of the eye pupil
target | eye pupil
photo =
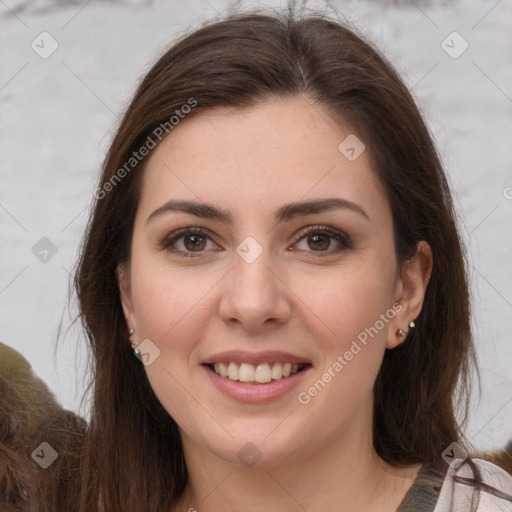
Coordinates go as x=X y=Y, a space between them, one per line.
x=317 y=238
x=197 y=245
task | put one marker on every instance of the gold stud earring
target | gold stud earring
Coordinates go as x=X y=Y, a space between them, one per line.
x=412 y=325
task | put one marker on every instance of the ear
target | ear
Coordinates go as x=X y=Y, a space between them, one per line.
x=410 y=289
x=124 y=284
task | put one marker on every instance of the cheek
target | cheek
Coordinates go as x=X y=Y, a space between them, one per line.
x=354 y=309
x=341 y=389
x=348 y=299
x=167 y=305
x=166 y=298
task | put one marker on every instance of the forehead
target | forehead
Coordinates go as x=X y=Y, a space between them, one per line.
x=274 y=152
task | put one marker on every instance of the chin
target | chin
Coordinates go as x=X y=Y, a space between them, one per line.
x=256 y=448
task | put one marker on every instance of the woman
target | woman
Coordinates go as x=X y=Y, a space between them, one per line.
x=273 y=238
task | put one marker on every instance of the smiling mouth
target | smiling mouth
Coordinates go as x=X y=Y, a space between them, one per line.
x=256 y=374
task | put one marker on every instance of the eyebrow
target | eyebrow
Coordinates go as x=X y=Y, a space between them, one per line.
x=284 y=213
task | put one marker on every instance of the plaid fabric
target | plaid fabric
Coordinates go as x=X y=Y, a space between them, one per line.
x=477 y=485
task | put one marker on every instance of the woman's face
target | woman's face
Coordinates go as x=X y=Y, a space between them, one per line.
x=262 y=281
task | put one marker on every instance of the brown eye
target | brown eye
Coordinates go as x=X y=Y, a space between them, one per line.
x=196 y=242
x=319 y=242
x=320 y=238
x=187 y=241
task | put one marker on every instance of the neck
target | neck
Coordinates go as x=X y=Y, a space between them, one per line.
x=345 y=473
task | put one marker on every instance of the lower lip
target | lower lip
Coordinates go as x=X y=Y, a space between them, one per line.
x=248 y=392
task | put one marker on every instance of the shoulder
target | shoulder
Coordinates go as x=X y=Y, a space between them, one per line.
x=476 y=484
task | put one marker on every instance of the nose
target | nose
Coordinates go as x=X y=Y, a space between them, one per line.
x=255 y=294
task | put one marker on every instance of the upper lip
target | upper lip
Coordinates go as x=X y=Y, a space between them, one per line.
x=267 y=356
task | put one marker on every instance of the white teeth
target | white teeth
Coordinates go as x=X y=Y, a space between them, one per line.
x=233 y=371
x=262 y=373
x=277 y=371
x=246 y=372
x=223 y=370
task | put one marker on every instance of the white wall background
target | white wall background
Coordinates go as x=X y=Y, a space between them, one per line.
x=57 y=116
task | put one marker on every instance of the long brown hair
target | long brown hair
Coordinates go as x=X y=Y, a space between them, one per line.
x=133 y=455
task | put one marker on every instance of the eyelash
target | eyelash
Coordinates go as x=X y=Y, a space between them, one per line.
x=343 y=239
